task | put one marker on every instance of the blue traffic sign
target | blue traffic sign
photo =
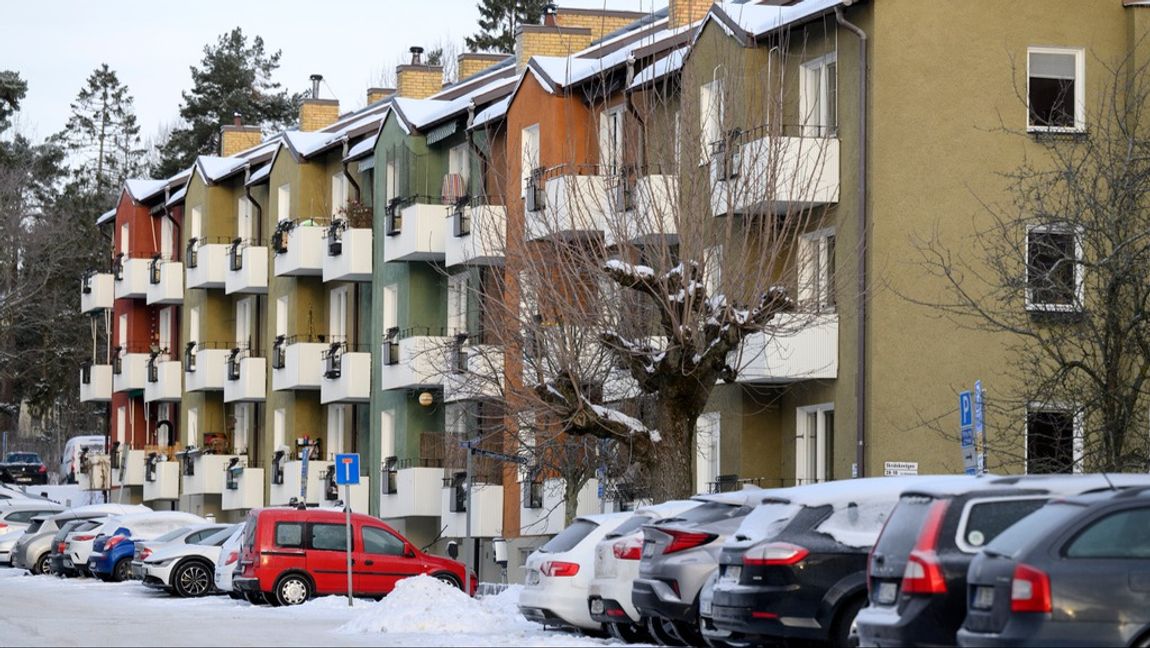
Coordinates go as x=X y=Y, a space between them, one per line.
x=965 y=409
x=978 y=412
x=347 y=469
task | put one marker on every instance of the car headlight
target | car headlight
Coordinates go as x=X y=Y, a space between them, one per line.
x=160 y=563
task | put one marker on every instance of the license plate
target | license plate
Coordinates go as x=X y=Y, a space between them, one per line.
x=533 y=577
x=886 y=593
x=983 y=598
x=705 y=607
x=732 y=574
x=596 y=606
x=648 y=549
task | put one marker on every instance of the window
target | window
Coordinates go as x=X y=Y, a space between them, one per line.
x=710 y=118
x=338 y=194
x=707 y=434
x=1055 y=89
x=529 y=156
x=457 y=293
x=379 y=541
x=245 y=225
x=569 y=538
x=1051 y=442
x=198 y=536
x=328 y=537
x=283 y=202
x=196 y=223
x=458 y=163
x=338 y=302
x=244 y=417
x=814 y=444
x=611 y=141
x=816 y=289
x=984 y=519
x=386 y=434
x=1053 y=268
x=818 y=97
x=1125 y=534
x=289 y=534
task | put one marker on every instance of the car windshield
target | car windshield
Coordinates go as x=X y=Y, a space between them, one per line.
x=1017 y=537
x=218 y=538
x=569 y=537
x=23 y=457
x=901 y=531
x=171 y=535
x=631 y=524
x=766 y=521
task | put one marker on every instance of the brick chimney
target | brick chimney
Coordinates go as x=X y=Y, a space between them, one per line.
x=237 y=137
x=549 y=39
x=316 y=113
x=378 y=94
x=470 y=63
x=418 y=80
x=600 y=21
x=685 y=12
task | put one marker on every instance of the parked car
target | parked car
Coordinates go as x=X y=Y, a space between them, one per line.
x=23 y=468
x=796 y=568
x=60 y=546
x=678 y=556
x=617 y=566
x=559 y=573
x=32 y=549
x=10 y=495
x=228 y=562
x=18 y=515
x=290 y=555
x=184 y=567
x=194 y=534
x=7 y=543
x=73 y=448
x=917 y=571
x=114 y=544
x=1074 y=573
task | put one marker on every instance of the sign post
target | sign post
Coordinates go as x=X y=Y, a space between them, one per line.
x=980 y=425
x=347 y=475
x=966 y=427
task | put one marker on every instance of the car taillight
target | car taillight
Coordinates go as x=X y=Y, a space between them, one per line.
x=113 y=541
x=683 y=540
x=1030 y=590
x=145 y=553
x=232 y=557
x=775 y=553
x=61 y=547
x=83 y=538
x=556 y=568
x=43 y=468
x=923 y=573
x=3 y=525
x=630 y=549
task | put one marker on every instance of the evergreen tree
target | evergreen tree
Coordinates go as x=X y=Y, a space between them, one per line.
x=498 y=20
x=12 y=90
x=234 y=77
x=102 y=136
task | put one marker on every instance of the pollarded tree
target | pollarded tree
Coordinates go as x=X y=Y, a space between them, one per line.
x=498 y=20
x=234 y=78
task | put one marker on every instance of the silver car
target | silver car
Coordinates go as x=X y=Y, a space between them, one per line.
x=32 y=550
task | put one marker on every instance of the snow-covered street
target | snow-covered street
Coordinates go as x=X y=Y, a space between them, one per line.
x=45 y=610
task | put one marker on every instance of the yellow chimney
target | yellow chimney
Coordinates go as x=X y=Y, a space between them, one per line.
x=315 y=114
x=600 y=21
x=549 y=40
x=685 y=12
x=236 y=137
x=417 y=80
x=378 y=94
x=471 y=63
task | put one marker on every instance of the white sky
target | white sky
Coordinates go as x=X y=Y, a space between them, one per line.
x=55 y=45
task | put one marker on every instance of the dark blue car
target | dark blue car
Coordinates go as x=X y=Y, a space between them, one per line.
x=111 y=557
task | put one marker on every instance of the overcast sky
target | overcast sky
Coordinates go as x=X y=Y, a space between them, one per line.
x=55 y=45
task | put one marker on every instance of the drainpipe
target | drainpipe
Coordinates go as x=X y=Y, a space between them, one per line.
x=258 y=343
x=628 y=92
x=861 y=310
x=347 y=174
x=176 y=248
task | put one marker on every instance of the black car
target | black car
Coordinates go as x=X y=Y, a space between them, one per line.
x=918 y=568
x=796 y=568
x=1074 y=573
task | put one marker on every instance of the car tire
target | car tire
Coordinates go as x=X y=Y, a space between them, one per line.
x=661 y=632
x=255 y=598
x=450 y=579
x=236 y=596
x=844 y=632
x=293 y=589
x=628 y=632
x=43 y=565
x=192 y=579
x=122 y=570
x=687 y=632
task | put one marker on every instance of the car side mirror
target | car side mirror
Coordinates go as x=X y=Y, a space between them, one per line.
x=453 y=549
x=408 y=551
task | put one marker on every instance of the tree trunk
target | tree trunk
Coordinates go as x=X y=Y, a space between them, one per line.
x=571 y=488
x=671 y=473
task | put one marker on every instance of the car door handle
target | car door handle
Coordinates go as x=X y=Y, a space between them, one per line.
x=369 y=563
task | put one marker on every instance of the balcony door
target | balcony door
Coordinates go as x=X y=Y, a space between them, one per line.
x=611 y=141
x=244 y=222
x=336 y=429
x=167 y=238
x=124 y=236
x=244 y=414
x=818 y=97
x=167 y=338
x=707 y=433
x=338 y=315
x=814 y=443
x=245 y=322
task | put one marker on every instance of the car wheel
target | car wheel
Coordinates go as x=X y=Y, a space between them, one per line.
x=293 y=589
x=192 y=580
x=687 y=632
x=845 y=631
x=255 y=598
x=234 y=595
x=662 y=632
x=43 y=565
x=450 y=579
x=122 y=571
x=628 y=632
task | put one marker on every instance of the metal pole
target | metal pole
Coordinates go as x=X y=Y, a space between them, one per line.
x=467 y=514
x=347 y=517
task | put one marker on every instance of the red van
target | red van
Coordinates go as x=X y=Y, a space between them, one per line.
x=290 y=555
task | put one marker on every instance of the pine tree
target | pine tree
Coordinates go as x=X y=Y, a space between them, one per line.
x=498 y=20
x=234 y=78
x=12 y=90
x=102 y=136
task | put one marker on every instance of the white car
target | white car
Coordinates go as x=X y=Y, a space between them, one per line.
x=559 y=573
x=186 y=569
x=17 y=515
x=7 y=542
x=132 y=528
x=617 y=565
x=226 y=565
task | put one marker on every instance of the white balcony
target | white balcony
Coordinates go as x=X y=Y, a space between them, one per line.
x=417 y=493
x=245 y=490
x=208 y=473
x=245 y=379
x=415 y=361
x=283 y=493
x=205 y=369
x=360 y=493
x=416 y=233
x=347 y=378
x=776 y=174
x=475 y=373
x=348 y=255
x=166 y=283
x=651 y=207
x=132 y=282
x=165 y=381
x=164 y=481
x=303 y=252
x=96 y=384
x=131 y=469
x=302 y=366
x=207 y=265
x=97 y=292
x=97 y=475
x=486 y=512
x=542 y=507
x=132 y=374
x=575 y=205
x=476 y=234
x=805 y=347
x=247 y=270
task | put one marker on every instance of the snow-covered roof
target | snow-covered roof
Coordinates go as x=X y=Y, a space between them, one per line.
x=141 y=189
x=214 y=168
x=669 y=64
x=260 y=174
x=757 y=20
x=494 y=112
x=363 y=148
x=177 y=197
x=106 y=216
x=306 y=144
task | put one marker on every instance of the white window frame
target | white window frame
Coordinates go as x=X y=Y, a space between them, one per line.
x=242 y=430
x=1079 y=274
x=814 y=281
x=712 y=109
x=390 y=306
x=196 y=223
x=338 y=193
x=121 y=423
x=244 y=225
x=1079 y=90
x=803 y=442
x=279 y=430
x=193 y=426
x=1079 y=452
x=281 y=315
x=194 y=320
x=283 y=202
x=457 y=288
x=459 y=162
x=338 y=314
x=167 y=238
x=528 y=156
x=708 y=451
x=336 y=429
x=125 y=236
x=386 y=435
x=814 y=96
x=611 y=125
x=245 y=320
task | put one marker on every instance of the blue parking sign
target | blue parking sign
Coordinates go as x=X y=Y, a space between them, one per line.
x=347 y=469
x=965 y=409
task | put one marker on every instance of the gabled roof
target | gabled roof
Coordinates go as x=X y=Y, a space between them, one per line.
x=106 y=216
x=141 y=189
x=669 y=64
x=748 y=22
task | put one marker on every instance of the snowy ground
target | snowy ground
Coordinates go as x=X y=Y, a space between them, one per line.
x=48 y=611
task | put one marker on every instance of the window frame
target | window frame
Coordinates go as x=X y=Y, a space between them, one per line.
x=712 y=112
x=1079 y=449
x=823 y=459
x=1079 y=89
x=309 y=536
x=1064 y=550
x=814 y=249
x=819 y=125
x=302 y=534
x=960 y=534
x=363 y=539
x=1079 y=271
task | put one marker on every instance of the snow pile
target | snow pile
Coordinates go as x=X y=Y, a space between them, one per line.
x=425 y=604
